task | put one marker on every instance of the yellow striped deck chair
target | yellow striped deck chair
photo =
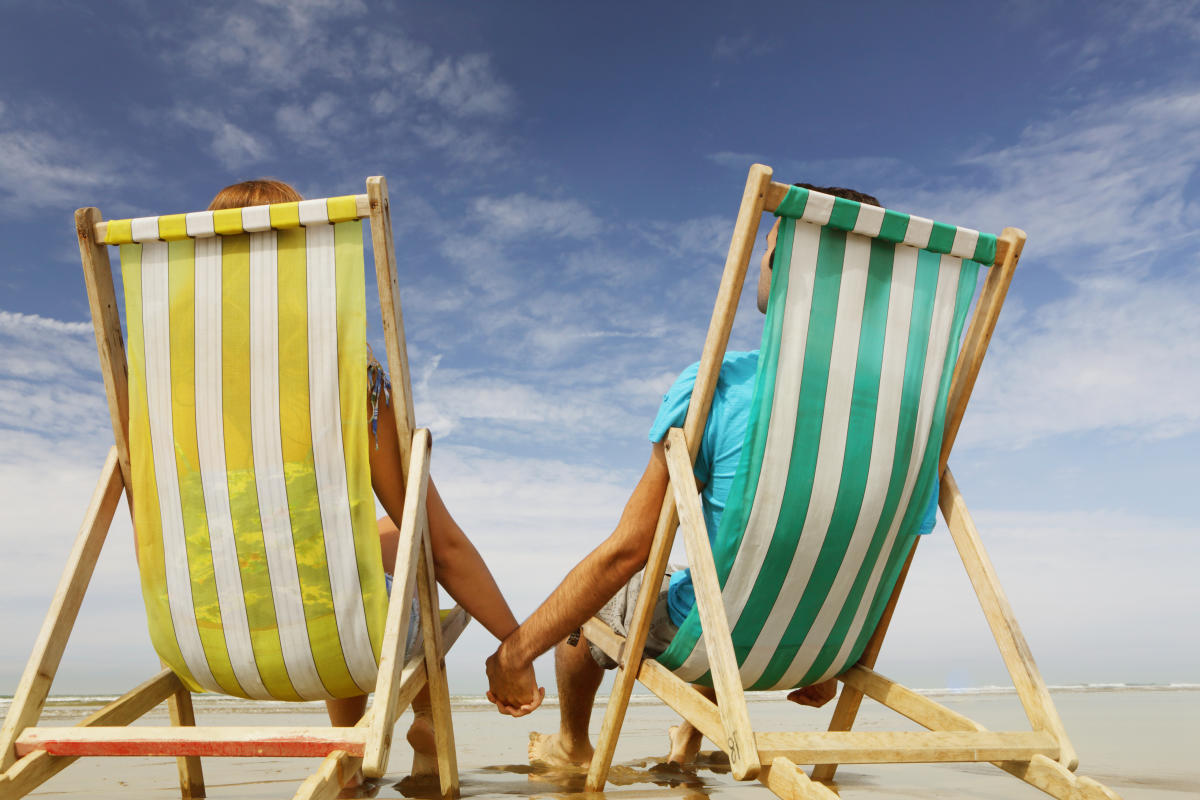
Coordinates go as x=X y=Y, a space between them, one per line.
x=241 y=415
x=859 y=392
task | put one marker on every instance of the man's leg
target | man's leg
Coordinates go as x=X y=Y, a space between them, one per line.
x=579 y=678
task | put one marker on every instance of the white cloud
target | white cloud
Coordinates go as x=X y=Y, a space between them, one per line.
x=700 y=236
x=464 y=145
x=467 y=87
x=531 y=403
x=1098 y=189
x=231 y=145
x=1180 y=18
x=263 y=47
x=14 y=323
x=49 y=382
x=737 y=48
x=314 y=123
x=729 y=158
x=42 y=168
x=522 y=215
x=1120 y=354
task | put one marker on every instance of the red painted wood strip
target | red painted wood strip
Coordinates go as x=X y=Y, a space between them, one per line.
x=132 y=742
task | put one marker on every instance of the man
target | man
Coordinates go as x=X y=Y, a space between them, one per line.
x=608 y=576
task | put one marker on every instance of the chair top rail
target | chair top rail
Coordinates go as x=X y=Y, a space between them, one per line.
x=822 y=209
x=231 y=221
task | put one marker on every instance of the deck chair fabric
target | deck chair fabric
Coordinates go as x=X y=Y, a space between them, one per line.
x=257 y=546
x=240 y=418
x=839 y=463
x=860 y=389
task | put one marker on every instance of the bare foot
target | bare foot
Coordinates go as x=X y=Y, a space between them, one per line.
x=548 y=749
x=685 y=744
x=816 y=695
x=353 y=785
x=424 y=744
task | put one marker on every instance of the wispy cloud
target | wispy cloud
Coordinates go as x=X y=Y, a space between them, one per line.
x=300 y=60
x=522 y=215
x=230 y=144
x=1121 y=354
x=271 y=44
x=742 y=46
x=49 y=382
x=736 y=160
x=42 y=167
x=1120 y=169
x=312 y=122
x=467 y=87
x=699 y=236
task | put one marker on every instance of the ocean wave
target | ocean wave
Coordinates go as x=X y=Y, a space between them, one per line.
x=472 y=702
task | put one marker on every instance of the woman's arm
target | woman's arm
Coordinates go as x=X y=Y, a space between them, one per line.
x=458 y=566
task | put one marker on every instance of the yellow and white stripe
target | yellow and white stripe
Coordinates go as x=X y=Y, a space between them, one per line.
x=248 y=426
x=232 y=221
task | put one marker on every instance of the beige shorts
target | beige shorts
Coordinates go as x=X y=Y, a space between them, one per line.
x=617 y=613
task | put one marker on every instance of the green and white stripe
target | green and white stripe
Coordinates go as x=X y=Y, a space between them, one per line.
x=890 y=226
x=257 y=547
x=841 y=451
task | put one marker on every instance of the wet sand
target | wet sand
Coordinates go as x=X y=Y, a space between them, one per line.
x=1143 y=743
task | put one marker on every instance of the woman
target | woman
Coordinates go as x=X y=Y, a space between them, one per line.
x=457 y=564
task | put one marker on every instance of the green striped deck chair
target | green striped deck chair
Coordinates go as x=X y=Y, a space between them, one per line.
x=860 y=389
x=241 y=414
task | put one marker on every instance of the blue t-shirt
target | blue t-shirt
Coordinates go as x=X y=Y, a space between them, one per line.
x=720 y=452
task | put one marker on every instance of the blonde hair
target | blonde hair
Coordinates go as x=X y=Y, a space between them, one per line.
x=258 y=192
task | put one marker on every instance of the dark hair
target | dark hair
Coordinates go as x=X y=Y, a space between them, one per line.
x=845 y=194
x=259 y=192
x=836 y=191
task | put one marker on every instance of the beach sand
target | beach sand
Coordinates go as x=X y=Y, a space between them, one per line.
x=1143 y=743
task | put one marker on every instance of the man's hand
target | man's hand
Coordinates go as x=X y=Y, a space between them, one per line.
x=512 y=687
x=816 y=695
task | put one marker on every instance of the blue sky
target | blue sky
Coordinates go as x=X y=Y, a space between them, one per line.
x=564 y=179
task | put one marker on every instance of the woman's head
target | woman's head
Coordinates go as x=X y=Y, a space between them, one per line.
x=258 y=192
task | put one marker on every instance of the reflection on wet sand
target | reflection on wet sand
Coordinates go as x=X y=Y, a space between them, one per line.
x=649 y=778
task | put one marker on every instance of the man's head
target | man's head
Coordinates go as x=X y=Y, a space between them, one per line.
x=768 y=259
x=259 y=192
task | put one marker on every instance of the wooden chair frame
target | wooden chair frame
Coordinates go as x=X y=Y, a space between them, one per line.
x=1042 y=757
x=29 y=756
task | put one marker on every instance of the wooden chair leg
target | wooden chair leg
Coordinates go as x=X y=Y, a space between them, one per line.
x=31 y=771
x=191 y=774
x=387 y=705
x=1035 y=697
x=435 y=669
x=846 y=710
x=788 y=781
x=327 y=782
x=635 y=643
x=731 y=700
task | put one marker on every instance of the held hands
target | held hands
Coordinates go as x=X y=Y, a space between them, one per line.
x=513 y=688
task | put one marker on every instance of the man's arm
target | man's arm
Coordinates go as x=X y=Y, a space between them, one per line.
x=586 y=588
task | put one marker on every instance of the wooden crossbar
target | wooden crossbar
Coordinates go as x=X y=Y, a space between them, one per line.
x=904 y=747
x=200 y=741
